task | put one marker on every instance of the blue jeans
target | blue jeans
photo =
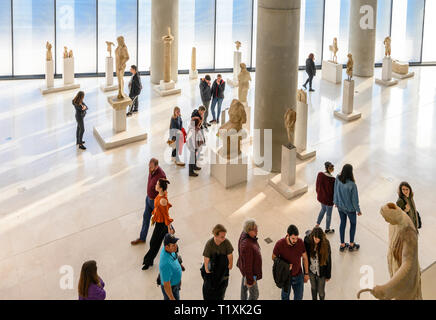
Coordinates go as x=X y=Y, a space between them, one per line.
x=353 y=222
x=297 y=284
x=214 y=102
x=149 y=207
x=174 y=289
x=323 y=211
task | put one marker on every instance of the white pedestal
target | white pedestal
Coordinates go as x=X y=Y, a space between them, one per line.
x=167 y=88
x=332 y=72
x=237 y=59
x=68 y=71
x=49 y=73
x=286 y=183
x=122 y=131
x=301 y=132
x=403 y=76
x=193 y=74
x=386 y=74
x=109 y=83
x=347 y=113
x=231 y=172
x=59 y=88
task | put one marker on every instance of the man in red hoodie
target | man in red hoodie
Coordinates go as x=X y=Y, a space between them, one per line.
x=249 y=261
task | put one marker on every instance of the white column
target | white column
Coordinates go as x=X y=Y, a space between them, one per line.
x=49 y=73
x=301 y=132
x=387 y=69
x=347 y=113
x=237 y=59
x=109 y=71
x=68 y=71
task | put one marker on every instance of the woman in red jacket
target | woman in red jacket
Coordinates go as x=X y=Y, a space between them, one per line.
x=325 y=186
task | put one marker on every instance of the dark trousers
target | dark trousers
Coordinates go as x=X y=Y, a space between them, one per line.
x=214 y=292
x=318 y=286
x=149 y=207
x=353 y=223
x=309 y=81
x=80 y=130
x=206 y=104
x=135 y=104
x=193 y=161
x=159 y=232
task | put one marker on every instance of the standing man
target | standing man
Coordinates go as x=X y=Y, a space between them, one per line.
x=206 y=96
x=291 y=249
x=195 y=139
x=135 y=87
x=311 y=71
x=218 y=88
x=170 y=269
x=249 y=261
x=155 y=173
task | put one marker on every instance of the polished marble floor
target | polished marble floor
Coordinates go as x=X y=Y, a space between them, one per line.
x=60 y=206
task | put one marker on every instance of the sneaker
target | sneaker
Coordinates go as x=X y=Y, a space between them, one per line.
x=82 y=147
x=355 y=247
x=135 y=111
x=137 y=241
x=342 y=249
x=212 y=122
x=304 y=86
x=311 y=90
x=208 y=124
x=129 y=114
x=197 y=168
x=193 y=174
x=329 y=231
x=180 y=164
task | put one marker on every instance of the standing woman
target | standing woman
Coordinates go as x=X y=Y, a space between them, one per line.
x=407 y=204
x=176 y=135
x=325 y=187
x=91 y=286
x=320 y=262
x=162 y=221
x=346 y=198
x=81 y=108
x=311 y=71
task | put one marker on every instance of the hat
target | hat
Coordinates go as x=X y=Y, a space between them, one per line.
x=169 y=238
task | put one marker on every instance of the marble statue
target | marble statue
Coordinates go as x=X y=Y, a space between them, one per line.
x=400 y=67
x=70 y=54
x=49 y=55
x=65 y=52
x=334 y=50
x=290 y=120
x=350 y=66
x=403 y=264
x=194 y=59
x=109 y=48
x=387 y=44
x=121 y=57
x=244 y=79
x=238 y=45
x=233 y=127
x=302 y=96
x=167 y=39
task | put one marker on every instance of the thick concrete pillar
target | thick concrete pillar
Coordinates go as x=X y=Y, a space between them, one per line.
x=363 y=20
x=278 y=36
x=164 y=14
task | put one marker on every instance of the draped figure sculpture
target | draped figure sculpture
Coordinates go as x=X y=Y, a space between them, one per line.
x=121 y=57
x=350 y=67
x=334 y=50
x=387 y=44
x=244 y=79
x=232 y=129
x=49 y=55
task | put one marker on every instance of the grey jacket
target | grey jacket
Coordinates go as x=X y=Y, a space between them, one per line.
x=205 y=91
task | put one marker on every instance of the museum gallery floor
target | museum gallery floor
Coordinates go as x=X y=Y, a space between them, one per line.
x=60 y=206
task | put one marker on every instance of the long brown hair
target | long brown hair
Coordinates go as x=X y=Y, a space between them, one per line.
x=88 y=275
x=78 y=99
x=174 y=112
x=322 y=248
x=400 y=192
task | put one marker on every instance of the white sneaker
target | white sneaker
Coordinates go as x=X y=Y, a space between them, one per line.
x=180 y=164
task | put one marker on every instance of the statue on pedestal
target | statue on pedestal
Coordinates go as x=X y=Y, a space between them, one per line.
x=290 y=120
x=387 y=44
x=194 y=59
x=109 y=48
x=231 y=130
x=49 y=55
x=70 y=54
x=244 y=79
x=350 y=67
x=334 y=50
x=65 y=52
x=121 y=57
x=238 y=45
x=168 y=39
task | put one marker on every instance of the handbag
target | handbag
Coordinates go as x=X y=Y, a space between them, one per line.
x=419 y=220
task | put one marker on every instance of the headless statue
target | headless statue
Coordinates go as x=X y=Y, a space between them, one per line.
x=350 y=67
x=387 y=44
x=290 y=120
x=49 y=55
x=109 y=48
x=121 y=57
x=244 y=79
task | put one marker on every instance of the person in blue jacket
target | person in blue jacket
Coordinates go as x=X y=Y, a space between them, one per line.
x=346 y=199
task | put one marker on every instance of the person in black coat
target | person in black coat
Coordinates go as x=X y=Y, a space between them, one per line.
x=218 y=88
x=135 y=87
x=311 y=71
x=206 y=96
x=81 y=108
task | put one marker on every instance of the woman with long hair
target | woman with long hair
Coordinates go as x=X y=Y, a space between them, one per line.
x=407 y=203
x=162 y=221
x=346 y=199
x=91 y=286
x=80 y=107
x=176 y=136
x=320 y=261
x=325 y=186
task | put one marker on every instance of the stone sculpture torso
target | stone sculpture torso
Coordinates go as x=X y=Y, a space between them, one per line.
x=350 y=67
x=290 y=120
x=121 y=57
x=49 y=55
x=232 y=129
x=387 y=44
x=334 y=50
x=65 y=52
x=109 y=48
x=244 y=79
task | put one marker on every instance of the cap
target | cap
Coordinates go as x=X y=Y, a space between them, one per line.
x=169 y=238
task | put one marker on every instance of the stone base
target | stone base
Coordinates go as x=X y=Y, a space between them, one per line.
x=386 y=83
x=193 y=74
x=403 y=76
x=119 y=112
x=228 y=172
x=60 y=88
x=233 y=83
x=289 y=192
x=105 y=88
x=167 y=88
x=348 y=117
x=109 y=139
x=306 y=154
x=332 y=72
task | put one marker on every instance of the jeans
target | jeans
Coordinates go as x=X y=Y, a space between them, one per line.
x=318 y=286
x=174 y=289
x=214 y=102
x=206 y=104
x=297 y=284
x=309 y=81
x=253 y=291
x=353 y=222
x=149 y=207
x=323 y=211
x=159 y=232
x=80 y=130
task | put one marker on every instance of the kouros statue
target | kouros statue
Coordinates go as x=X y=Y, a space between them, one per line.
x=232 y=130
x=168 y=39
x=109 y=48
x=302 y=96
x=49 y=55
x=121 y=57
x=238 y=45
x=290 y=120
x=244 y=79
x=334 y=50
x=404 y=270
x=70 y=54
x=387 y=44
x=350 y=66
x=65 y=52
